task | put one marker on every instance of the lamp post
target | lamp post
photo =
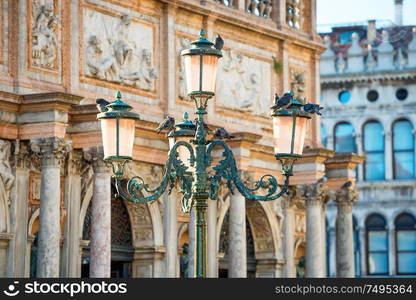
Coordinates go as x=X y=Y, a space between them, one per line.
x=198 y=180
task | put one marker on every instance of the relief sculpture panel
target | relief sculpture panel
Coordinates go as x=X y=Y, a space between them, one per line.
x=244 y=83
x=118 y=49
x=43 y=28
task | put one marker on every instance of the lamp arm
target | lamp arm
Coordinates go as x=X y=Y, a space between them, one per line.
x=175 y=171
x=227 y=169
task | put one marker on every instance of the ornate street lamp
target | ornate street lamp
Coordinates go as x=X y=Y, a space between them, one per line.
x=198 y=180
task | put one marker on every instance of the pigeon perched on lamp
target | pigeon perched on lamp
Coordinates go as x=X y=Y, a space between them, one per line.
x=221 y=134
x=167 y=124
x=101 y=104
x=219 y=43
x=284 y=102
x=313 y=108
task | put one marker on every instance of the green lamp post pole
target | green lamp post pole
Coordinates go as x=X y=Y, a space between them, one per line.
x=196 y=178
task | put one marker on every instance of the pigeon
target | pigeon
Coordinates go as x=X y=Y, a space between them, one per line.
x=346 y=185
x=322 y=179
x=221 y=133
x=101 y=104
x=283 y=102
x=219 y=43
x=313 y=108
x=167 y=124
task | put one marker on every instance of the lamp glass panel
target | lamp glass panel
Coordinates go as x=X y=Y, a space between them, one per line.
x=109 y=134
x=127 y=128
x=282 y=128
x=209 y=72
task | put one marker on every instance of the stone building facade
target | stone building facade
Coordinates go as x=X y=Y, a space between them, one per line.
x=368 y=88
x=58 y=56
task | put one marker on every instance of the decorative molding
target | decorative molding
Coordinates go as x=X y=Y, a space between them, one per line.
x=52 y=151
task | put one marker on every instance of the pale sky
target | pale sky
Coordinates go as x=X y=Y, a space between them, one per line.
x=350 y=11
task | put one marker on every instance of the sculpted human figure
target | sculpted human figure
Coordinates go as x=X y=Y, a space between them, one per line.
x=124 y=47
x=143 y=78
x=43 y=36
x=6 y=175
x=98 y=65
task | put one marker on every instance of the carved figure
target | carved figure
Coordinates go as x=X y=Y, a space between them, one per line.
x=99 y=66
x=44 y=44
x=6 y=175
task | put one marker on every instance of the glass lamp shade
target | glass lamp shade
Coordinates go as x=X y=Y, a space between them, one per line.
x=289 y=134
x=118 y=137
x=201 y=73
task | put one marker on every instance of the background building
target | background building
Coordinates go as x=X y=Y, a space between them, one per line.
x=369 y=93
x=57 y=57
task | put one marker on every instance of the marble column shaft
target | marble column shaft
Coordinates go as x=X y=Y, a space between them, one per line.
x=52 y=152
x=289 y=238
x=100 y=244
x=171 y=234
x=237 y=249
x=314 y=197
x=344 y=233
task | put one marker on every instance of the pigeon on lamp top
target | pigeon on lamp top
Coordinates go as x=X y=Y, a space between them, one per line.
x=282 y=103
x=221 y=134
x=101 y=104
x=313 y=108
x=347 y=185
x=167 y=124
x=219 y=43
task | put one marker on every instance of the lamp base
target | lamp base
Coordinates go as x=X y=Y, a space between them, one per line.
x=287 y=161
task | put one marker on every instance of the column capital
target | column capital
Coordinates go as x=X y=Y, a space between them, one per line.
x=293 y=198
x=346 y=196
x=51 y=151
x=315 y=194
x=95 y=156
x=76 y=162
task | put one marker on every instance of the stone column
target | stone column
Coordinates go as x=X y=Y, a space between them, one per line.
x=388 y=154
x=212 y=260
x=314 y=196
x=288 y=205
x=171 y=233
x=344 y=200
x=70 y=250
x=237 y=249
x=52 y=152
x=4 y=244
x=100 y=244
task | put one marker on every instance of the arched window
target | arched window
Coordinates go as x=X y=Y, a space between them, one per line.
x=377 y=246
x=405 y=244
x=357 y=245
x=324 y=138
x=403 y=150
x=344 y=141
x=374 y=151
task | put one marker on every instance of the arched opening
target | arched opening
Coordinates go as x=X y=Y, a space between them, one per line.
x=403 y=150
x=405 y=225
x=377 y=245
x=300 y=258
x=344 y=138
x=374 y=165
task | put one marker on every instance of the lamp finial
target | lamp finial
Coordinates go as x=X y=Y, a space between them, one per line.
x=118 y=95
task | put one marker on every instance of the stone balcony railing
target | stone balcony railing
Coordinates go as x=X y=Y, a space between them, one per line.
x=261 y=8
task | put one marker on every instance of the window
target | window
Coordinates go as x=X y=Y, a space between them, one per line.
x=372 y=96
x=374 y=151
x=405 y=244
x=344 y=97
x=377 y=247
x=344 y=141
x=401 y=94
x=324 y=138
x=403 y=150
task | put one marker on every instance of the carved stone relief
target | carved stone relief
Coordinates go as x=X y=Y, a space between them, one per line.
x=260 y=226
x=117 y=49
x=44 y=36
x=141 y=221
x=300 y=223
x=183 y=43
x=243 y=83
x=6 y=183
x=298 y=83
